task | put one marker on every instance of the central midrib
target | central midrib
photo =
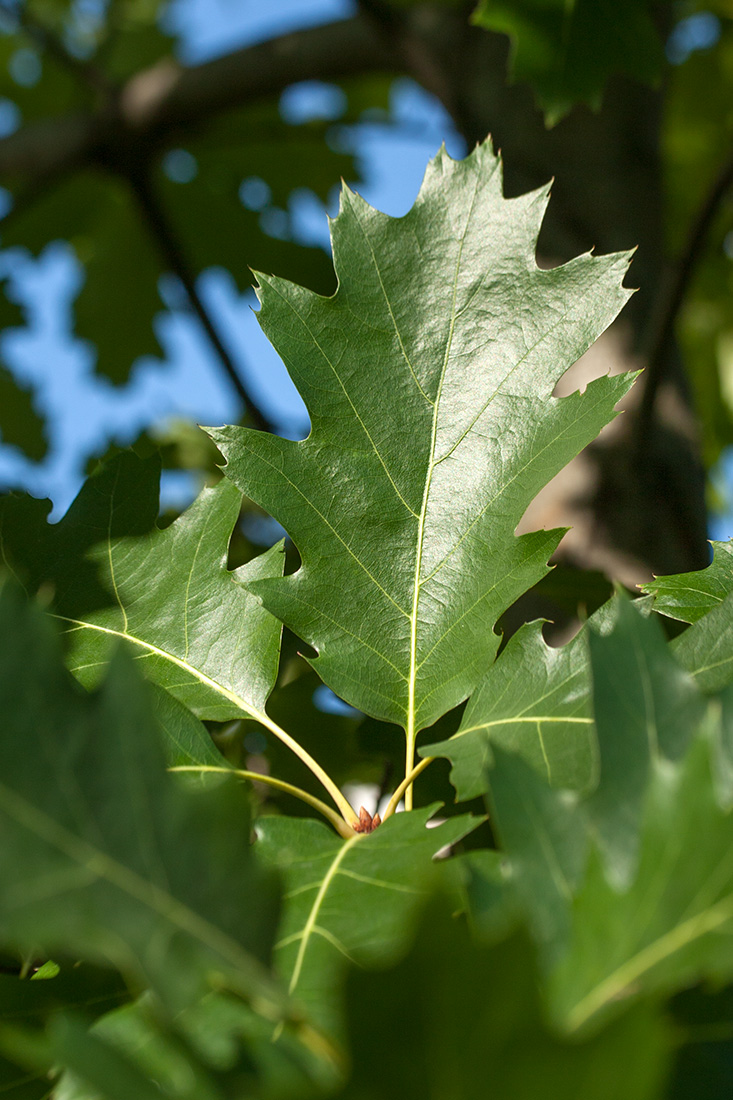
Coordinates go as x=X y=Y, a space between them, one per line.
x=412 y=678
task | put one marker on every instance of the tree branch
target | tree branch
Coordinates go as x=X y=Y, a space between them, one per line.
x=167 y=99
x=172 y=253
x=672 y=295
x=83 y=71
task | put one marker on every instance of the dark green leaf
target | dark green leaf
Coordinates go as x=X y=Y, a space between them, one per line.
x=646 y=708
x=28 y=1003
x=567 y=52
x=651 y=909
x=546 y=839
x=104 y=856
x=20 y=424
x=673 y=925
x=458 y=1020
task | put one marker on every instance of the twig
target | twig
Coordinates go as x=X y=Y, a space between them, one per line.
x=672 y=295
x=172 y=252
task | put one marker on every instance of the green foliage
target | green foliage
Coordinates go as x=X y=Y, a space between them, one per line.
x=97 y=823
x=20 y=424
x=689 y=596
x=535 y=701
x=347 y=901
x=99 y=211
x=428 y=307
x=195 y=954
x=568 y=51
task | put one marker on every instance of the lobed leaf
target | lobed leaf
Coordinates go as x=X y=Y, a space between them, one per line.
x=706 y=648
x=428 y=377
x=672 y=926
x=646 y=708
x=348 y=900
x=568 y=52
x=690 y=596
x=624 y=896
x=534 y=701
x=194 y=628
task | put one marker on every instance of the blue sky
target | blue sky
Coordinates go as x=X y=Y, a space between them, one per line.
x=84 y=410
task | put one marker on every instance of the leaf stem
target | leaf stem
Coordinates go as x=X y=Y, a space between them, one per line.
x=347 y=810
x=341 y=826
x=405 y=788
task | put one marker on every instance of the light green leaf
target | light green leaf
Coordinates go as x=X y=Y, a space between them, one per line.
x=535 y=701
x=104 y=856
x=348 y=901
x=689 y=596
x=428 y=377
x=706 y=648
x=194 y=628
x=568 y=51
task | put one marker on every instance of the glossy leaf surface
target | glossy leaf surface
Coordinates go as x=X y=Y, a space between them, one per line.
x=534 y=701
x=428 y=377
x=689 y=596
x=193 y=626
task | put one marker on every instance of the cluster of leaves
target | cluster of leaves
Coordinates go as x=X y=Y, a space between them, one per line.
x=167 y=952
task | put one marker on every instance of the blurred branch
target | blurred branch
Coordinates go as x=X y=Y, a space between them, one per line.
x=160 y=102
x=43 y=37
x=170 y=248
x=672 y=295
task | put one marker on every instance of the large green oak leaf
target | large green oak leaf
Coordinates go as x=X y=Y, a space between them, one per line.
x=429 y=379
